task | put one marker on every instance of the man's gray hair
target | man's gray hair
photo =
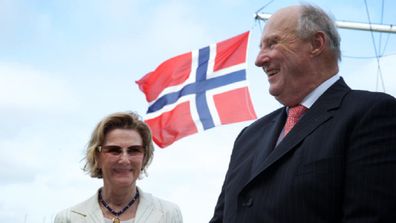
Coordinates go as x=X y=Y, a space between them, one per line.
x=314 y=19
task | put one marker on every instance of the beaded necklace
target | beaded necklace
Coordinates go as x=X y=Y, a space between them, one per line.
x=117 y=214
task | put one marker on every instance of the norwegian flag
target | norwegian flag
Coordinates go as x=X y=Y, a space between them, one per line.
x=198 y=90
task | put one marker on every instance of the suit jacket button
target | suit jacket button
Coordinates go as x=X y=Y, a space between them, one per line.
x=248 y=202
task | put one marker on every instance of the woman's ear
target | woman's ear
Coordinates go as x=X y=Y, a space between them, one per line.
x=318 y=43
x=98 y=161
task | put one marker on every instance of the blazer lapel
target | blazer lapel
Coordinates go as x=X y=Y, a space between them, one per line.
x=88 y=211
x=147 y=211
x=320 y=112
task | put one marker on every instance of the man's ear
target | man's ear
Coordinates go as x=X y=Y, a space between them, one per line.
x=318 y=43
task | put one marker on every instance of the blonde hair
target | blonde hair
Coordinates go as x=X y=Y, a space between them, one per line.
x=119 y=120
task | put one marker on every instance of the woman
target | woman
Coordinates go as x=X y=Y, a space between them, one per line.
x=119 y=150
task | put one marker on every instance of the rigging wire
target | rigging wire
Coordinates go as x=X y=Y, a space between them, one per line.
x=367 y=57
x=379 y=71
x=258 y=21
x=264 y=6
x=386 y=43
x=380 y=35
x=382 y=21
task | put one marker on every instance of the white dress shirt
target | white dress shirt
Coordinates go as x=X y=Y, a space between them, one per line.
x=311 y=98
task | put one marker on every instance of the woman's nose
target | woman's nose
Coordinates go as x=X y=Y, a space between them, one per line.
x=124 y=156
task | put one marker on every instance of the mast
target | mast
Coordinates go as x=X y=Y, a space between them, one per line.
x=347 y=25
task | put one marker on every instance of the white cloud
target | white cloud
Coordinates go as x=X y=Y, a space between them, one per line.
x=39 y=200
x=24 y=87
x=41 y=169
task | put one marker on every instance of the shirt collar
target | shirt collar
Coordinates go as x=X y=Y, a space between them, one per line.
x=311 y=98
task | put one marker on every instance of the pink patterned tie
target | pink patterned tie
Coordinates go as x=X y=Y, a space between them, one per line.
x=293 y=116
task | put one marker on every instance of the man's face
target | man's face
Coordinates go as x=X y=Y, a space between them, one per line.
x=285 y=58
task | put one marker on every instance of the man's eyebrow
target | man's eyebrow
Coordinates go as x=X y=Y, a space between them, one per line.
x=263 y=40
x=266 y=39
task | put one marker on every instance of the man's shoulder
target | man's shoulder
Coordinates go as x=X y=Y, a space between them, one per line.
x=261 y=123
x=368 y=97
x=267 y=118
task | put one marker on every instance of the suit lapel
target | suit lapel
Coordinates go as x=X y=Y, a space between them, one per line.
x=267 y=136
x=267 y=142
x=320 y=112
x=258 y=142
x=303 y=128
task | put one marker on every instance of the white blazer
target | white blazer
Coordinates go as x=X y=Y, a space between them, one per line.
x=150 y=210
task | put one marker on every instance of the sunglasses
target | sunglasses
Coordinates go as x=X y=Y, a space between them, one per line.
x=134 y=150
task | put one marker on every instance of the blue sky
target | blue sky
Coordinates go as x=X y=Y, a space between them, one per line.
x=66 y=64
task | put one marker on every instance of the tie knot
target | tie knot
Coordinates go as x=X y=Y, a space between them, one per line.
x=293 y=116
x=297 y=111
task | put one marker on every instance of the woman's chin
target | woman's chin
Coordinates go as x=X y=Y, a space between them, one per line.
x=124 y=181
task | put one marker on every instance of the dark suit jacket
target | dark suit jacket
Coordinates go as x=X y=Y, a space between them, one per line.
x=338 y=164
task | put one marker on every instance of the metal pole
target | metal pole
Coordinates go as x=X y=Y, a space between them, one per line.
x=348 y=25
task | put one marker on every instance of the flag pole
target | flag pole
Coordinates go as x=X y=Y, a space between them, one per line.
x=347 y=25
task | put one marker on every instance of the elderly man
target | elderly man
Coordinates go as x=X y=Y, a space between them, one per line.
x=329 y=155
